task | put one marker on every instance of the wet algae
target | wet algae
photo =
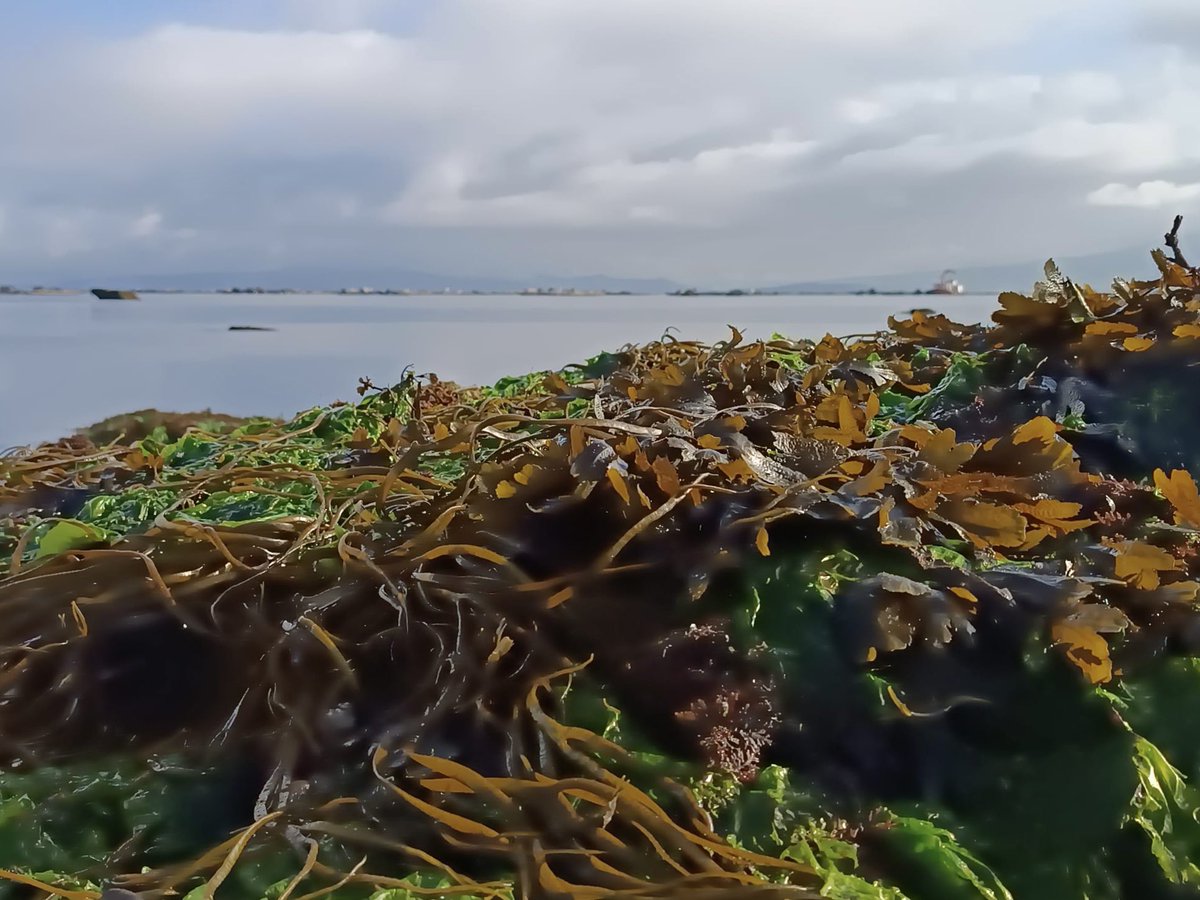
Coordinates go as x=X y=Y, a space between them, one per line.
x=912 y=615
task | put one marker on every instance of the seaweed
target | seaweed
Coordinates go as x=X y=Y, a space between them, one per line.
x=905 y=615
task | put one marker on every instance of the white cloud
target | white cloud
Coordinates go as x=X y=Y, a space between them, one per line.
x=337 y=15
x=1066 y=118
x=900 y=97
x=1138 y=145
x=146 y=225
x=1087 y=89
x=1146 y=195
x=697 y=190
x=605 y=135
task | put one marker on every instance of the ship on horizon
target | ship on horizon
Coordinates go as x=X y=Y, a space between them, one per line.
x=105 y=294
x=948 y=284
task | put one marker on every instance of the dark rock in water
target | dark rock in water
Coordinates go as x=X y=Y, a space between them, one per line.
x=249 y=328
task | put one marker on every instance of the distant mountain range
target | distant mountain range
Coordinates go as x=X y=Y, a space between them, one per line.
x=1097 y=269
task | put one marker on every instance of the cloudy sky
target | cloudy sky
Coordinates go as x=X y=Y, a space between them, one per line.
x=710 y=141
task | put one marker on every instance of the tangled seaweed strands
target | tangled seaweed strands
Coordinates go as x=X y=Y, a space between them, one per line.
x=214 y=570
x=384 y=655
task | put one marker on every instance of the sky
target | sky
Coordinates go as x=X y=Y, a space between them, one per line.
x=707 y=141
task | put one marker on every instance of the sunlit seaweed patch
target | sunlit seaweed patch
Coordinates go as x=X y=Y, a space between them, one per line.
x=910 y=615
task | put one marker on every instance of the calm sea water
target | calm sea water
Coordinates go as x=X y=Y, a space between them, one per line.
x=68 y=361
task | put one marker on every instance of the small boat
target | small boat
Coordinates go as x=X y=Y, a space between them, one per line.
x=103 y=294
x=948 y=284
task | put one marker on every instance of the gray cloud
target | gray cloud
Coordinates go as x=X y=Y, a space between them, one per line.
x=1173 y=23
x=703 y=140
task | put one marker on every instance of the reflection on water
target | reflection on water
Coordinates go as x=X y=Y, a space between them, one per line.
x=68 y=361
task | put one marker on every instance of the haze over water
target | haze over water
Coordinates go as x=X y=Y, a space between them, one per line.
x=66 y=362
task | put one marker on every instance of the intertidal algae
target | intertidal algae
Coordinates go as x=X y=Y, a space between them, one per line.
x=913 y=615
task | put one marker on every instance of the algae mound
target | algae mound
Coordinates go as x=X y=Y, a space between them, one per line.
x=913 y=615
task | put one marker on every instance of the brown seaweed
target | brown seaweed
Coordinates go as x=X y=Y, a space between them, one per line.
x=393 y=659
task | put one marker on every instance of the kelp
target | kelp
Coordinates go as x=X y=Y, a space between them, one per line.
x=905 y=615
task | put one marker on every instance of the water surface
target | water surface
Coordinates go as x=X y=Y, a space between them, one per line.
x=68 y=361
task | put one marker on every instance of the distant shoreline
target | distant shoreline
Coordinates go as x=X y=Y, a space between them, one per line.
x=38 y=292
x=565 y=293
